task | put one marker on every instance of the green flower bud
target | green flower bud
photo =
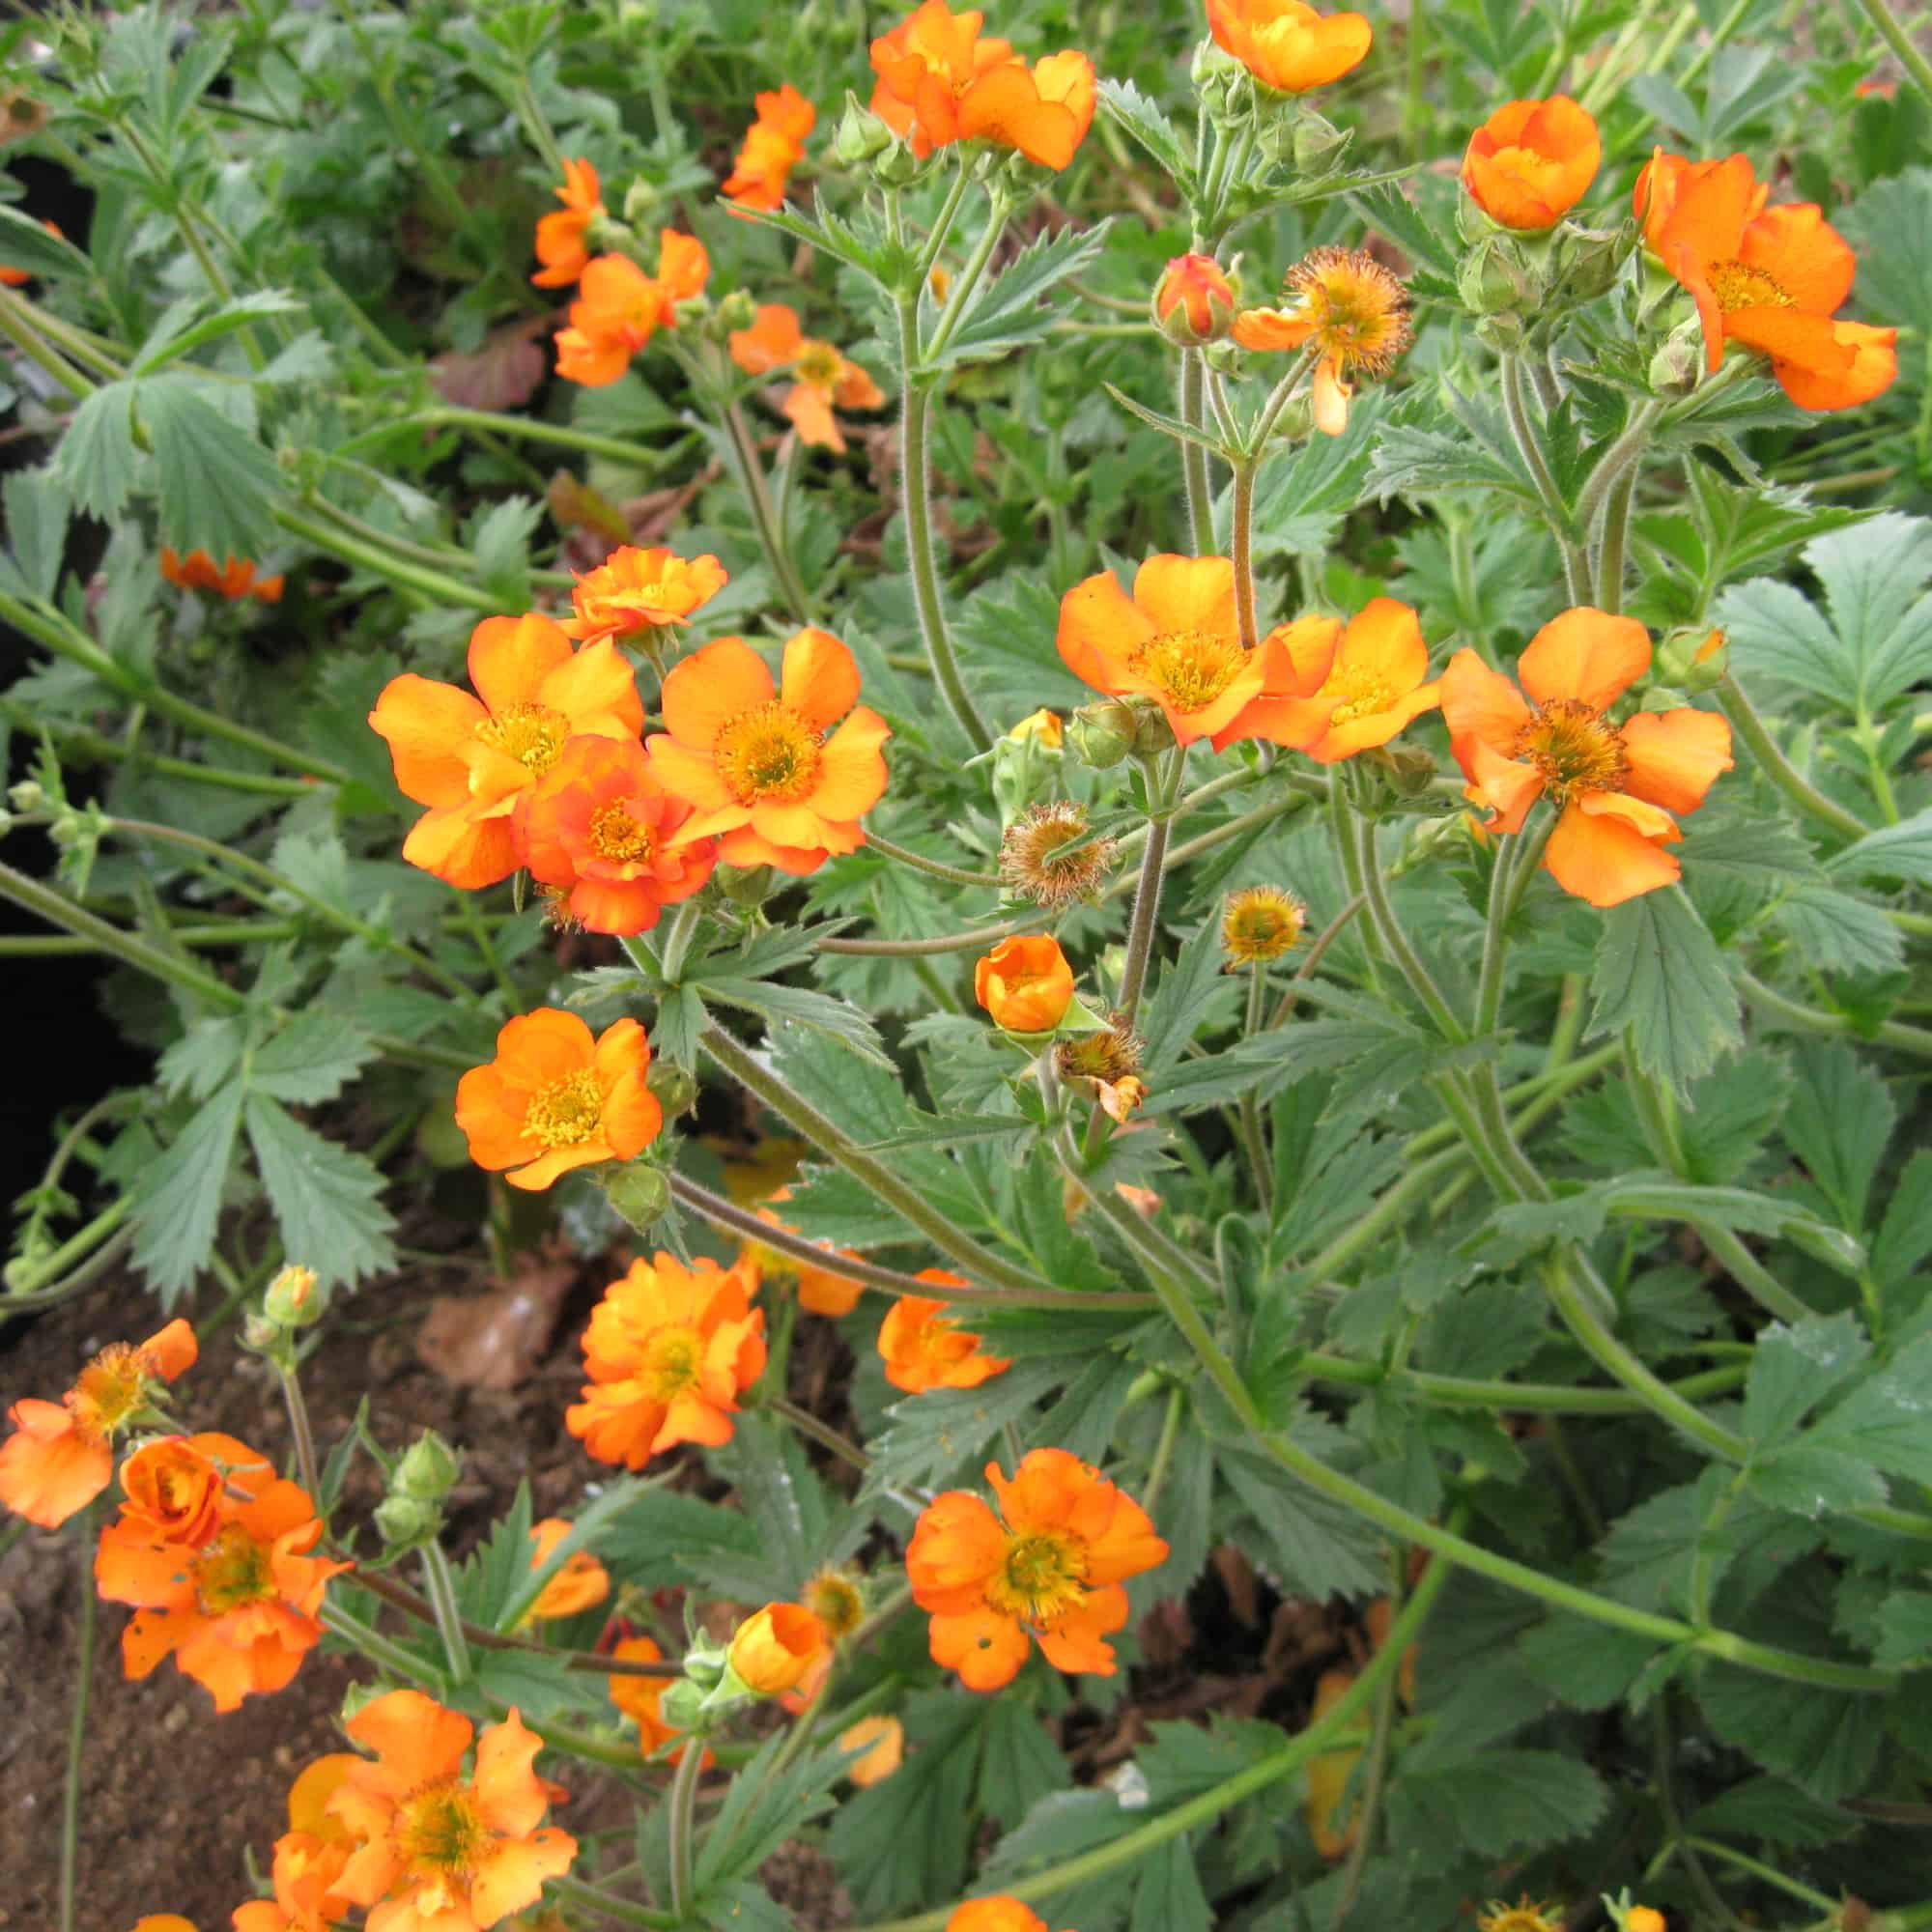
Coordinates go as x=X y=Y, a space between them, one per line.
x=861 y=135
x=403 y=1522
x=675 y=1086
x=750 y=888
x=1102 y=734
x=1677 y=365
x=291 y=1299
x=638 y=1193
x=738 y=310
x=1494 y=278
x=1590 y=263
x=428 y=1470
x=1691 y=660
x=641 y=201
x=1318 y=143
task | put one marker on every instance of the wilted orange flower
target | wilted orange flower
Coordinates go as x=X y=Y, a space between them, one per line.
x=554 y=1098
x=938 y=82
x=634 y=590
x=439 y=1852
x=309 y=1857
x=923 y=1348
x=1330 y=1772
x=668 y=1351
x=18 y=279
x=821 y=1291
x=1286 y=45
x=1332 y=691
x=601 y=829
x=641 y=1699
x=60 y=1454
x=619 y=307
x=1529 y=163
x=1258 y=923
x=880 y=1745
x=1770 y=278
x=1614 y=786
x=470 y=759
x=1025 y=983
x=1177 y=641
x=776 y=1649
x=1050 y=1565
x=236 y=1608
x=825 y=378
x=774 y=145
x=562 y=237
x=753 y=757
x=577 y=1586
x=234 y=579
x=1348 y=310
x=1193 y=301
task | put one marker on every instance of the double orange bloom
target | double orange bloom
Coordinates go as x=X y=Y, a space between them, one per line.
x=619 y=307
x=923 y=1347
x=1529 y=163
x=637 y=590
x=1287 y=45
x=774 y=145
x=1048 y=1566
x=822 y=377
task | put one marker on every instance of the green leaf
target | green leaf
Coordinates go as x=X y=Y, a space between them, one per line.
x=1393 y=214
x=1905 y=1239
x=663 y=1539
x=1808 y=1480
x=1167 y=1897
x=216 y=484
x=1891 y=226
x=1019 y=1763
x=1168 y=425
x=765 y=1804
x=36 y=517
x=179 y=333
x=799 y=1007
x=828 y=233
x=586 y=1532
x=1141 y=119
x=97 y=457
x=1498 y=1800
x=1839 y=933
x=1660 y=975
x=1307 y=1546
x=1794 y=1369
x=1004 y=313
x=311 y=1060
x=933 y=1433
x=1838 y=1125
x=205 y=1055
x=324 y=1197
x=1905 y=1632
x=539 y=1687
x=1194 y=995
x=25 y=244
x=1825 y=1741
x=1589 y=1666
x=1769 y=1809
x=500 y=540
x=1901 y=851
x=1883 y=1419
x=178 y=1199
x=782 y=1494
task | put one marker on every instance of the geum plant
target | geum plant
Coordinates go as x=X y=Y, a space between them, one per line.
x=1353 y=1148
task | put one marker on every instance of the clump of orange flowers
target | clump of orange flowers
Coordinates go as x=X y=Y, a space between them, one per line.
x=774 y=145
x=554 y=1098
x=755 y=760
x=1771 y=278
x=670 y=1349
x=619 y=307
x=60 y=1454
x=563 y=237
x=1614 y=786
x=211 y=1550
x=1025 y=983
x=1049 y=1566
x=1345 y=309
x=437 y=1848
x=471 y=759
x=1529 y=163
x=1289 y=47
x=823 y=378
x=923 y=1347
x=233 y=579
x=938 y=82
x=639 y=590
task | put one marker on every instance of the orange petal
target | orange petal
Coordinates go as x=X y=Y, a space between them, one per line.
x=1507 y=787
x=1674 y=756
x=709 y=688
x=1803 y=253
x=809 y=411
x=1584 y=654
x=851 y=774
x=986 y=1648
x=1077 y=1641
x=417 y=1739
x=593 y=686
x=510 y=657
x=1480 y=702
x=1873 y=370
x=819 y=677
x=772 y=341
x=1603 y=858
x=1385 y=638
x=1187 y=593
x=512 y=1876
x=1100 y=627
x=423 y=720
x=173 y=1350
x=48 y=1476
x=508 y=1795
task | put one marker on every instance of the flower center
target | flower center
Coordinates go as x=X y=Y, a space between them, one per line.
x=1193 y=667
x=1357 y=310
x=671 y=1359
x=567 y=1111
x=533 y=734
x=818 y=365
x=232 y=1571
x=615 y=835
x=1261 y=924
x=1040 y=1577
x=835 y=1599
x=1574 y=749
x=1737 y=286
x=1361 y=691
x=440 y=1832
x=107 y=1391
x=768 y=754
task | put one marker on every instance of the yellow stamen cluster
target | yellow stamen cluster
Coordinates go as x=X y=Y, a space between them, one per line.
x=440 y=1831
x=1574 y=747
x=1193 y=667
x=768 y=754
x=1357 y=309
x=670 y=1362
x=1737 y=286
x=1525 y=1915
x=615 y=835
x=1039 y=1577
x=835 y=1599
x=567 y=1111
x=1261 y=924
x=108 y=1391
x=232 y=1570
x=1047 y=857
x=1363 y=693
x=818 y=365
x=533 y=734
x=1113 y=1054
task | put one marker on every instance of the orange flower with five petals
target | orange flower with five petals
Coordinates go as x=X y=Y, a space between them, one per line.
x=440 y=1851
x=1529 y=163
x=774 y=145
x=923 y=1347
x=562 y=237
x=471 y=759
x=1347 y=311
x=1614 y=786
x=1049 y=1566
x=309 y=1857
x=634 y=590
x=670 y=1349
x=1025 y=982
x=1289 y=47
x=619 y=307
x=824 y=379
x=576 y=1584
x=603 y=831
x=237 y=1608
x=554 y=1098
x=1771 y=278
x=60 y=1454
x=755 y=760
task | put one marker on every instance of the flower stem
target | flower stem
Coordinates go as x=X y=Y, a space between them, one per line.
x=957 y=875
x=623 y=1911
x=1164 y=1449
x=1389 y=927
x=1243 y=547
x=1252 y=1138
x=1555 y=511
x=1616 y=535
x=441 y=1589
x=1146 y=915
x=1193 y=456
x=823 y=1433
x=76 y=1735
x=683 y=1828
x=381 y=1650
x=1915 y=63
x=1779 y=769
x=302 y=1433
x=771 y=534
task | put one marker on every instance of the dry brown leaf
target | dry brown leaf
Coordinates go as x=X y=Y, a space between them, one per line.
x=496 y=1341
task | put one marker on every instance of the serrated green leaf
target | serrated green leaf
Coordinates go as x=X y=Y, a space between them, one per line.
x=1905 y=1632
x=1019 y=1763
x=36 y=506
x=97 y=457
x=1890 y=225
x=1193 y=997
x=325 y=1197
x=1004 y=313
x=216 y=484
x=1589 y=1666
x=798 y=1007
x=1796 y=1368
x=500 y=540
x=311 y=1060
x=932 y=1435
x=1901 y=851
x=25 y=244
x=1769 y=1809
x=204 y=1056
x=1838 y=933
x=663 y=1539
x=766 y=1803
x=1499 y=1801
x=178 y=1199
x=1828 y=1742
x=1167 y=1897
x=1146 y=123
x=1809 y=1480
x=1659 y=976
x=1838 y=1125
x=1887 y=1419
x=1306 y=1545
x=1905 y=1239
x=178 y=333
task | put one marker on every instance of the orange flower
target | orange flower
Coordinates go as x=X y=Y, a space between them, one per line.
x=234 y=579
x=1025 y=983
x=601 y=829
x=1333 y=1831
x=235 y=1608
x=634 y=590
x=1614 y=786
x=562 y=237
x=924 y=1349
x=774 y=145
x=938 y=82
x=996 y=1913
x=1286 y=45
x=620 y=307
x=1770 y=278
x=553 y=1100
x=825 y=377
x=1177 y=641
x=60 y=1454
x=471 y=759
x=821 y=1291
x=1529 y=164
x=753 y=757
x=1332 y=692
x=439 y=1852
x=1662 y=179
x=152 y=1922
x=1193 y=301
x=1050 y=1564
x=1348 y=310
x=778 y=1648
x=1647 y=1918
x=577 y=1586
x=880 y=1747
x=641 y=1699
x=668 y=1351
x=309 y=1855
x=18 y=279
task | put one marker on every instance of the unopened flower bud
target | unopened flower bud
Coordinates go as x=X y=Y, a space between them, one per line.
x=428 y=1470
x=641 y=201
x=675 y=1086
x=403 y=1522
x=1590 y=264
x=1692 y=660
x=1494 y=278
x=638 y=1193
x=1045 y=728
x=29 y=795
x=1222 y=83
x=1154 y=735
x=1193 y=302
x=1409 y=769
x=1318 y=143
x=291 y=1299
x=738 y=310
x=750 y=888
x=1676 y=366
x=1102 y=734
x=861 y=134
